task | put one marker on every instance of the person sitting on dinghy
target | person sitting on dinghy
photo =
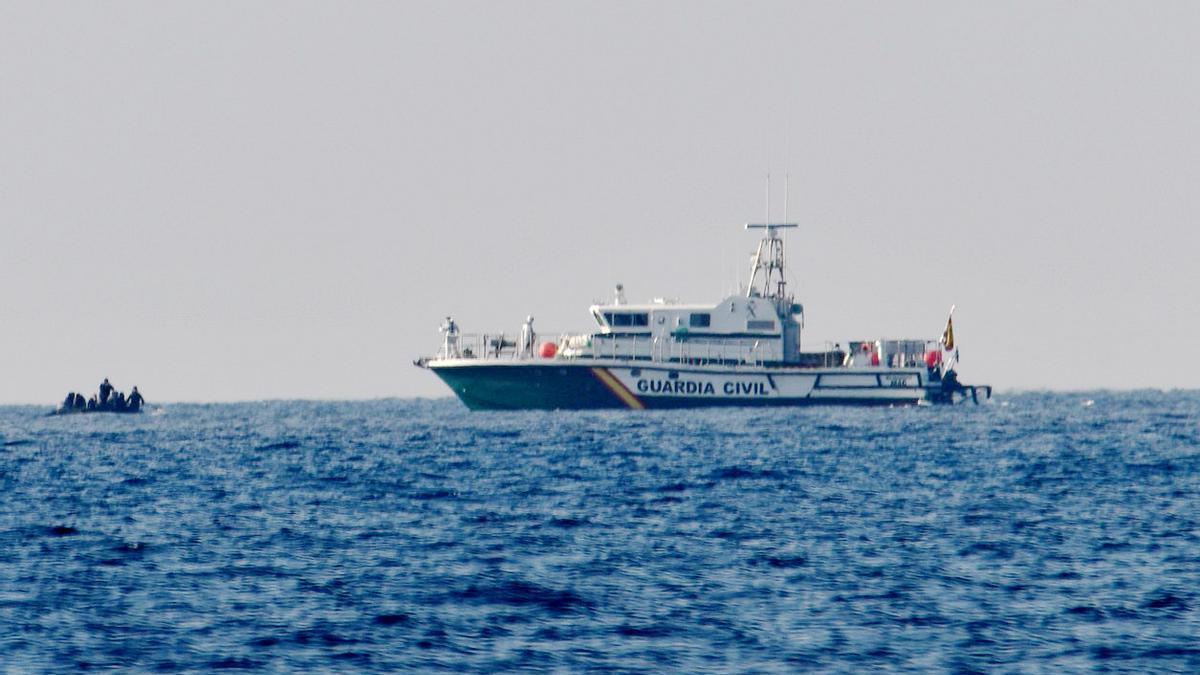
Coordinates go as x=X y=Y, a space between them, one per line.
x=135 y=400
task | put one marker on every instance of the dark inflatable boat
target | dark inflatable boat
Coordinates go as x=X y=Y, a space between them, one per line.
x=110 y=401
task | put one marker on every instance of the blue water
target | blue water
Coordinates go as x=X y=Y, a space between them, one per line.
x=1041 y=532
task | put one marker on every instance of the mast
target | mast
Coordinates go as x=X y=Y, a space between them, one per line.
x=768 y=264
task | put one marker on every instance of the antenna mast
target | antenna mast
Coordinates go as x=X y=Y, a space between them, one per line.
x=767 y=210
x=785 y=197
x=768 y=259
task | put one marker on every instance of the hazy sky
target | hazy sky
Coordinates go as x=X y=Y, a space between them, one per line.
x=227 y=201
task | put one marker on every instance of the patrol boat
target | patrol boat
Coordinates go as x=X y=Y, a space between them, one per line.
x=742 y=351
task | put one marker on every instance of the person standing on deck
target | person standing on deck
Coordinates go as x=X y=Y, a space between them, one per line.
x=528 y=337
x=106 y=390
x=450 y=348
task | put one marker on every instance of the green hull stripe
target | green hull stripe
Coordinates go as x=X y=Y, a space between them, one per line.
x=577 y=387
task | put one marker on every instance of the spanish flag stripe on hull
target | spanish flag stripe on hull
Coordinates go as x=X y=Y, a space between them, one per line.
x=621 y=391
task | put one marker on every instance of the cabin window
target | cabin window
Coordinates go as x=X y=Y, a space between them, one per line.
x=625 y=320
x=760 y=325
x=700 y=320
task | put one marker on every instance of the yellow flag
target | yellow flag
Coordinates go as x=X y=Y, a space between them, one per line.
x=948 y=335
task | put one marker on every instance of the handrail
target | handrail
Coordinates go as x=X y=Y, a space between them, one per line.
x=697 y=350
x=725 y=351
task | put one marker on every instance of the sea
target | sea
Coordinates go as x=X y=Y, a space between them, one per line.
x=1040 y=532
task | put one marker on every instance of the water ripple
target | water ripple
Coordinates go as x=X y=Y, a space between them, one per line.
x=1045 y=533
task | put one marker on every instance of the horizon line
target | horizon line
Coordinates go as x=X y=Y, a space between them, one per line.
x=451 y=397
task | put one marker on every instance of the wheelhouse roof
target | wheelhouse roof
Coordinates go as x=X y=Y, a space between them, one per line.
x=654 y=306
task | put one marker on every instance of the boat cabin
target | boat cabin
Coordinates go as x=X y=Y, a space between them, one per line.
x=735 y=316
